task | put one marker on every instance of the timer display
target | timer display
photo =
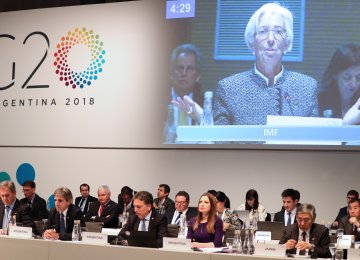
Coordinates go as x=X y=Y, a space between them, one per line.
x=180 y=9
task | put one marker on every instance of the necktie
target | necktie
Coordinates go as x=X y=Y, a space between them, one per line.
x=81 y=202
x=29 y=204
x=177 y=220
x=289 y=219
x=302 y=252
x=143 y=226
x=102 y=206
x=62 y=224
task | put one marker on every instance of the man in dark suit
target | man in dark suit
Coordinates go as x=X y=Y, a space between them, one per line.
x=163 y=203
x=60 y=223
x=145 y=219
x=85 y=199
x=351 y=223
x=182 y=200
x=35 y=202
x=104 y=209
x=287 y=214
x=305 y=235
x=11 y=207
x=344 y=212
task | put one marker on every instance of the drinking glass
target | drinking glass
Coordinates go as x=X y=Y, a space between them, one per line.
x=339 y=254
x=332 y=248
x=340 y=232
x=230 y=243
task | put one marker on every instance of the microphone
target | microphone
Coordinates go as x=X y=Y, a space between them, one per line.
x=288 y=101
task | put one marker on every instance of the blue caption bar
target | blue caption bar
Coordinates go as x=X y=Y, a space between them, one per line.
x=272 y=134
x=180 y=9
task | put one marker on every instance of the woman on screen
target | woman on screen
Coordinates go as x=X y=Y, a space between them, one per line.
x=206 y=229
x=340 y=85
x=224 y=212
x=256 y=210
x=268 y=88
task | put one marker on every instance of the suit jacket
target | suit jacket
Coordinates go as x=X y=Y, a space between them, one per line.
x=279 y=217
x=343 y=212
x=319 y=236
x=38 y=208
x=348 y=228
x=157 y=224
x=168 y=204
x=22 y=212
x=90 y=199
x=190 y=213
x=73 y=213
x=109 y=216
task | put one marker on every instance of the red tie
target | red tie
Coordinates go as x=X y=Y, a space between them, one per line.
x=102 y=206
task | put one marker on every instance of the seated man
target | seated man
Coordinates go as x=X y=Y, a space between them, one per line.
x=104 y=209
x=145 y=219
x=60 y=223
x=11 y=207
x=290 y=198
x=182 y=200
x=125 y=200
x=36 y=204
x=305 y=235
x=163 y=203
x=343 y=212
x=84 y=201
x=351 y=223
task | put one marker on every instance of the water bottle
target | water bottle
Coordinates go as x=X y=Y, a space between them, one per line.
x=76 y=234
x=170 y=126
x=237 y=247
x=13 y=221
x=251 y=241
x=208 y=111
x=183 y=226
x=246 y=247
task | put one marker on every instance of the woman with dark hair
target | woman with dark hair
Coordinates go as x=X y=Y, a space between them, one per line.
x=340 y=86
x=206 y=229
x=224 y=212
x=253 y=206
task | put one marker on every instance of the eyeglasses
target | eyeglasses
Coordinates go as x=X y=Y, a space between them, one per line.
x=181 y=202
x=279 y=33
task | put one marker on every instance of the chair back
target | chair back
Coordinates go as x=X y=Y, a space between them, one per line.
x=173 y=230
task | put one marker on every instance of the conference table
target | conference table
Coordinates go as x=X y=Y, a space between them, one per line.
x=37 y=249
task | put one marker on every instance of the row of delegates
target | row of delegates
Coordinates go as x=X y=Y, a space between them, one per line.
x=11 y=207
x=268 y=88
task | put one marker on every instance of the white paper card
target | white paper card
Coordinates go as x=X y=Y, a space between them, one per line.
x=20 y=232
x=345 y=242
x=94 y=238
x=270 y=250
x=263 y=235
x=177 y=244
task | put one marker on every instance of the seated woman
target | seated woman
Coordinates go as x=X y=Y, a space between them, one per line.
x=206 y=229
x=339 y=95
x=256 y=210
x=230 y=220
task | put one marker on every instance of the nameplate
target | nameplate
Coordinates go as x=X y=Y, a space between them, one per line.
x=177 y=244
x=345 y=242
x=353 y=254
x=270 y=250
x=263 y=235
x=20 y=232
x=94 y=238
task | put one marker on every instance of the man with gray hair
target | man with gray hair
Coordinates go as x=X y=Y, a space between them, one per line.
x=305 y=236
x=11 y=207
x=104 y=210
x=60 y=223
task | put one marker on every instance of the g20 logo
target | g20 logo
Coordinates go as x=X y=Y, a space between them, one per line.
x=91 y=73
x=66 y=74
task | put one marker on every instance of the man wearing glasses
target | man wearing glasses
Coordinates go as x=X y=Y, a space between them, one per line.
x=344 y=212
x=306 y=237
x=35 y=202
x=182 y=200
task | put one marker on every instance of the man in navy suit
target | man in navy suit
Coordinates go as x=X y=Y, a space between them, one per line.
x=60 y=223
x=11 y=207
x=305 y=235
x=351 y=223
x=84 y=201
x=163 y=203
x=344 y=212
x=287 y=214
x=104 y=209
x=35 y=202
x=182 y=200
x=146 y=219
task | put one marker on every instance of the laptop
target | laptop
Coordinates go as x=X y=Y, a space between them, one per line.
x=94 y=226
x=242 y=214
x=276 y=228
x=141 y=239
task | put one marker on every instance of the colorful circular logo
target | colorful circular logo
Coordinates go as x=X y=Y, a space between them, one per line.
x=91 y=73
